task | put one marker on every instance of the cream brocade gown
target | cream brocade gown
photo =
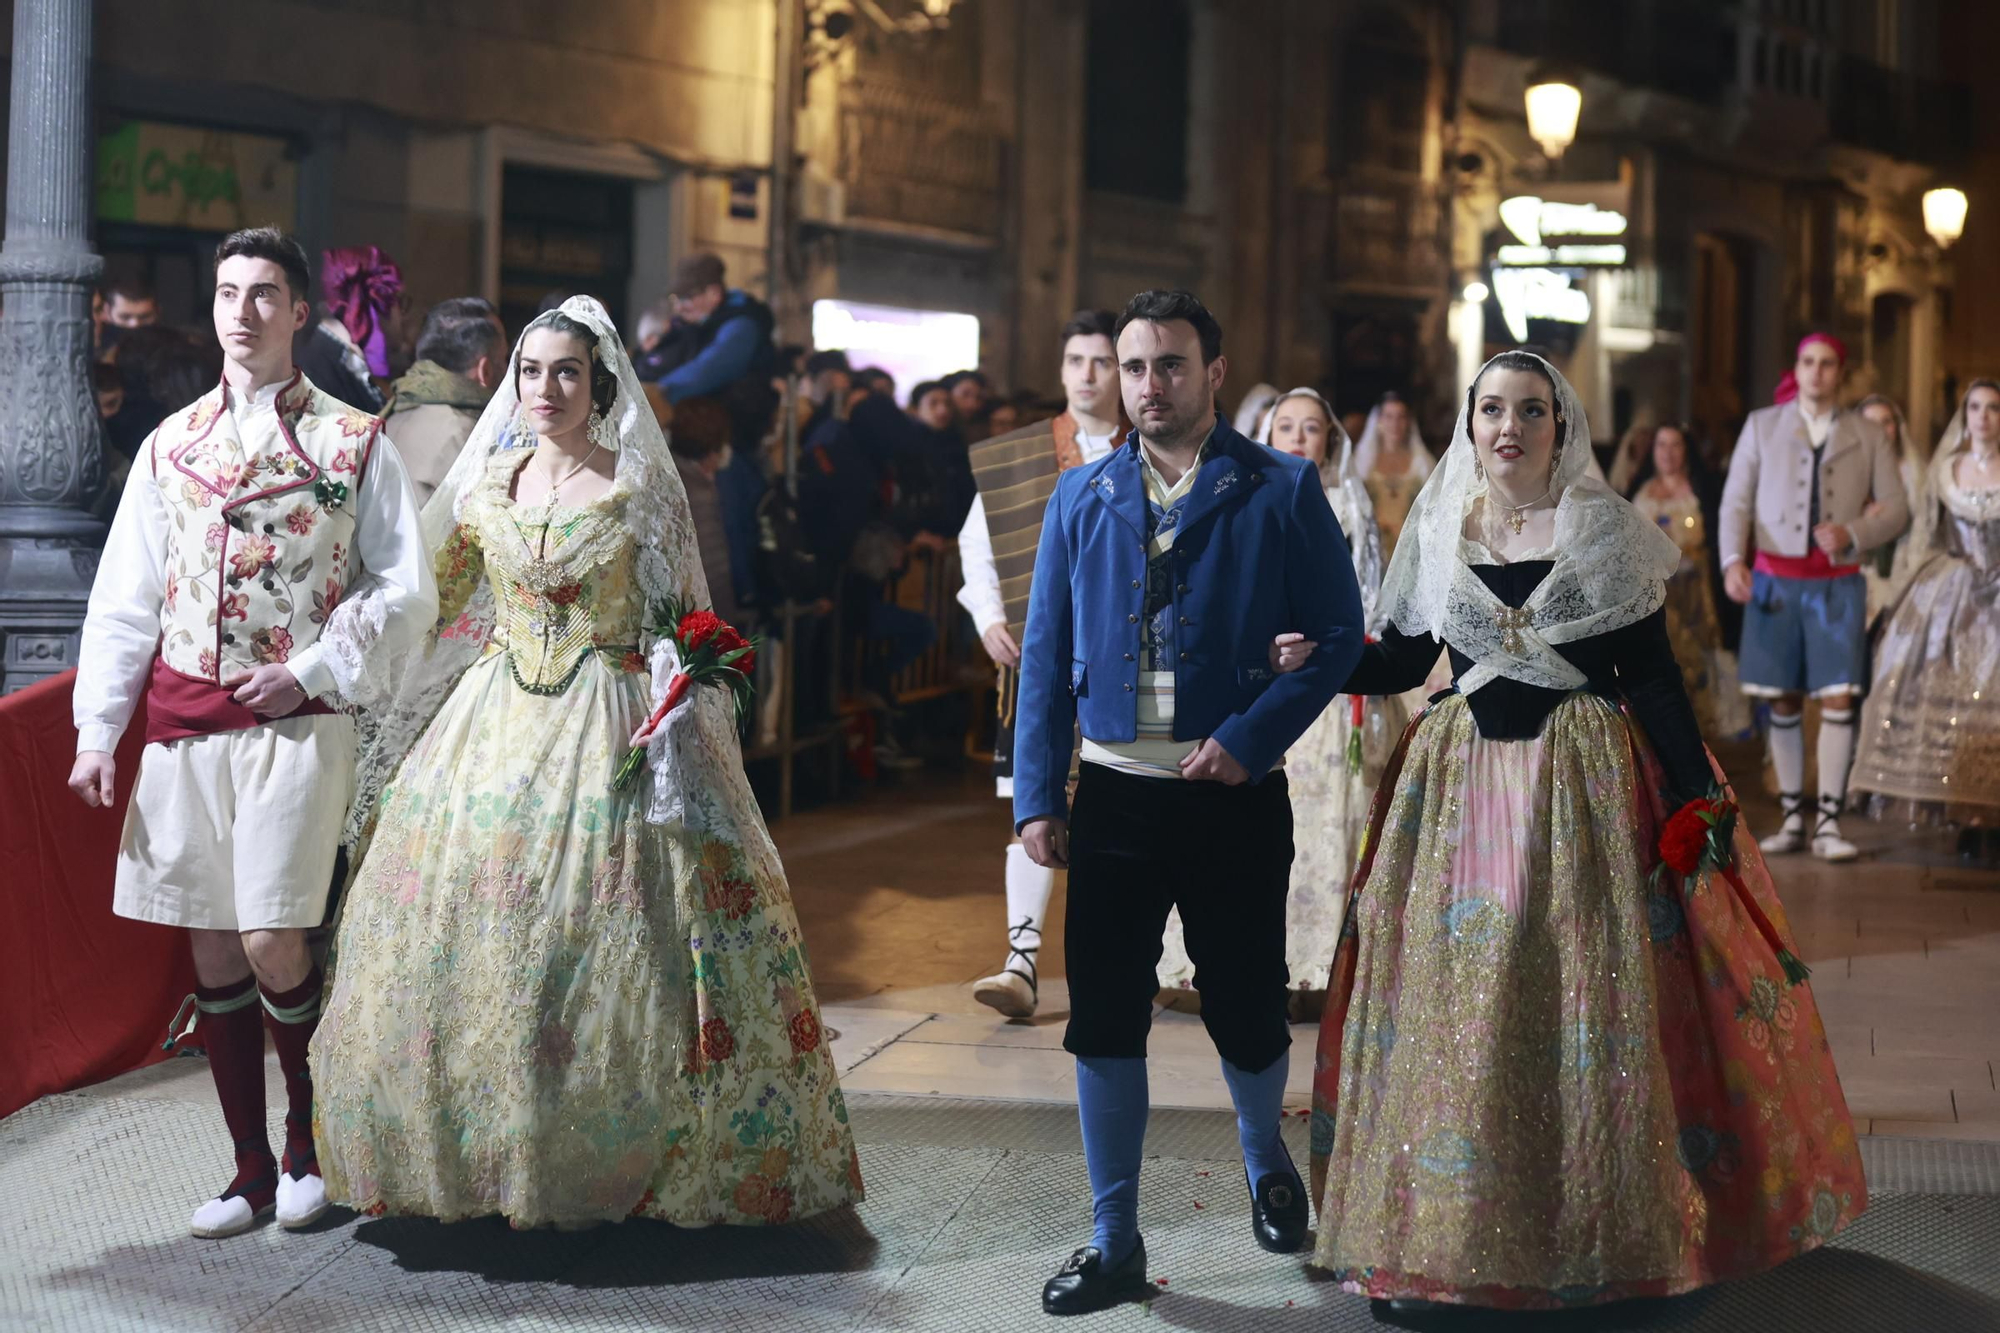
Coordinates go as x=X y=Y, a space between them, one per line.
x=543 y=1005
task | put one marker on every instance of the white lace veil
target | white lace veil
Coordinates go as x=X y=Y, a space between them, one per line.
x=669 y=566
x=1611 y=565
x=1370 y=448
x=1254 y=408
x=1937 y=491
x=1346 y=493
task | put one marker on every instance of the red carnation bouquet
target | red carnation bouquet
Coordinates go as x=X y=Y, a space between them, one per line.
x=712 y=652
x=1700 y=838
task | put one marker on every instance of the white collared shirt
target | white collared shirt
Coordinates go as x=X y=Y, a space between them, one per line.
x=1817 y=427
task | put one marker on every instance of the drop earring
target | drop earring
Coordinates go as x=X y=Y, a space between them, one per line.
x=594 y=429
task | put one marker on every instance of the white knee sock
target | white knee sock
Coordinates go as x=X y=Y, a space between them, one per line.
x=1788 y=757
x=1836 y=753
x=1028 y=889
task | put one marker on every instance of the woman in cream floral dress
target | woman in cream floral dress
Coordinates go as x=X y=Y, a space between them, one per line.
x=553 y=999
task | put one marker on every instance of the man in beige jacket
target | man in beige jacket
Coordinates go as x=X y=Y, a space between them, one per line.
x=1818 y=488
x=461 y=355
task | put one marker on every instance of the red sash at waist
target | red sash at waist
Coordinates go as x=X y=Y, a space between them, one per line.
x=179 y=706
x=1815 y=564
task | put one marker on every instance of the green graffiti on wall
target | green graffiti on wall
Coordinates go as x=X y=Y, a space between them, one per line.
x=182 y=176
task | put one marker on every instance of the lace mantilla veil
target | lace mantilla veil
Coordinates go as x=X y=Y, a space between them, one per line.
x=1611 y=564
x=697 y=771
x=1346 y=493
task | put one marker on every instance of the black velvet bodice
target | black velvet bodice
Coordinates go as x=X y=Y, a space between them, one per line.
x=1635 y=664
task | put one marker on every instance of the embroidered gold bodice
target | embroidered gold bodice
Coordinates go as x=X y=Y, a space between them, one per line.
x=564 y=579
x=1679 y=516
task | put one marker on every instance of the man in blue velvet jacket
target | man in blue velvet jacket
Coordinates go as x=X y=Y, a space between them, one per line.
x=1165 y=571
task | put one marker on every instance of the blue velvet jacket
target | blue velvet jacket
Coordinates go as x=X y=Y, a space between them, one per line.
x=1258 y=554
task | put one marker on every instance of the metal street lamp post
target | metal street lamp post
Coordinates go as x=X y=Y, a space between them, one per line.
x=51 y=465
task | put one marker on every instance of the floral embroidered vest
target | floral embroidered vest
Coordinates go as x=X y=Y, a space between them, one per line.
x=261 y=529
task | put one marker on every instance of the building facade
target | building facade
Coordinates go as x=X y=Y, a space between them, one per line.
x=494 y=148
x=1769 y=159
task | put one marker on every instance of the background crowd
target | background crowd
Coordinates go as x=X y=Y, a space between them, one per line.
x=828 y=497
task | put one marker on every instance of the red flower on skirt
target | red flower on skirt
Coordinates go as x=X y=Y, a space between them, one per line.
x=718 y=1043
x=1685 y=837
x=805 y=1032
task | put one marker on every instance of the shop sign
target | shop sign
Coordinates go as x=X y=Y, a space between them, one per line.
x=1538 y=293
x=912 y=345
x=1560 y=232
x=162 y=175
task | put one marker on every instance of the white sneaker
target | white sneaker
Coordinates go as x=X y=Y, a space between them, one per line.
x=223 y=1217
x=1790 y=837
x=1009 y=992
x=301 y=1202
x=1828 y=845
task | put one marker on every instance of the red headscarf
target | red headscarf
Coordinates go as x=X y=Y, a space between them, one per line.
x=1788 y=387
x=363 y=286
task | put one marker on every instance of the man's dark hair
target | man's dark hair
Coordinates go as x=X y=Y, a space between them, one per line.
x=1164 y=307
x=603 y=380
x=833 y=359
x=696 y=273
x=928 y=386
x=958 y=377
x=876 y=380
x=458 y=332
x=104 y=377
x=129 y=289
x=1089 y=324
x=277 y=246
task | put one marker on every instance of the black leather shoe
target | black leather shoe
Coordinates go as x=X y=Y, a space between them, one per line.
x=1278 y=1212
x=1085 y=1283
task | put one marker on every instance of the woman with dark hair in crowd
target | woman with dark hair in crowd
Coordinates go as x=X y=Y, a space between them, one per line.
x=1546 y=1077
x=557 y=998
x=1673 y=487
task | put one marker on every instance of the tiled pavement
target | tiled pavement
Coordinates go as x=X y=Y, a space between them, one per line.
x=976 y=1186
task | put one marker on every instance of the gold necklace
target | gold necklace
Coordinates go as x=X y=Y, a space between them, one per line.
x=542 y=574
x=1516 y=517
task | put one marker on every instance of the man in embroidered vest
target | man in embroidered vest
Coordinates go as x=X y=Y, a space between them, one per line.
x=229 y=595
x=1164 y=573
x=1818 y=487
x=1017 y=473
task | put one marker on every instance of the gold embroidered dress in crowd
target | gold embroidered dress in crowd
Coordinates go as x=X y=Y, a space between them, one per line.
x=545 y=1004
x=1692 y=621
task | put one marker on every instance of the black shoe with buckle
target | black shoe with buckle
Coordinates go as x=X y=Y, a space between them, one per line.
x=1278 y=1213
x=1085 y=1283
